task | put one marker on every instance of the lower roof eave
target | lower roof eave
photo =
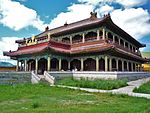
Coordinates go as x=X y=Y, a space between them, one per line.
x=126 y=54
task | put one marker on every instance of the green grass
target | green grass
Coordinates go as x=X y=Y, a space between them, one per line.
x=145 y=88
x=97 y=84
x=42 y=98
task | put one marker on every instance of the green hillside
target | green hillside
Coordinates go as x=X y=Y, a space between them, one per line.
x=145 y=54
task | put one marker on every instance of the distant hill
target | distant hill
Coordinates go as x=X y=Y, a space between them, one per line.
x=6 y=64
x=145 y=54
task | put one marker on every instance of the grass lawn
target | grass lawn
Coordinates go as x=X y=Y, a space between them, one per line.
x=42 y=98
x=97 y=84
x=145 y=88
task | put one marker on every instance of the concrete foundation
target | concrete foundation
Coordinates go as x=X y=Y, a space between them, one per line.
x=99 y=75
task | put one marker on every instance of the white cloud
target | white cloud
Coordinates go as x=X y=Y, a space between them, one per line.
x=133 y=21
x=105 y=9
x=16 y=16
x=125 y=3
x=6 y=44
x=75 y=12
x=131 y=3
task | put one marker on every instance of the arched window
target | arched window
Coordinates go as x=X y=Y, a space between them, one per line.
x=121 y=42
x=89 y=65
x=116 y=40
x=66 y=40
x=75 y=64
x=119 y=65
x=54 y=64
x=101 y=64
x=114 y=68
x=90 y=36
x=64 y=65
x=77 y=39
x=101 y=34
x=110 y=36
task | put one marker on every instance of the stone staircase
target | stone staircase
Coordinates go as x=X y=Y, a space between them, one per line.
x=46 y=78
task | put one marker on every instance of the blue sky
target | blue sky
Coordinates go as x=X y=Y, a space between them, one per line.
x=25 y=18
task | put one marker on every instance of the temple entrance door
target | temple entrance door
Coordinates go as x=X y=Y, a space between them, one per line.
x=54 y=64
x=75 y=64
x=119 y=65
x=102 y=64
x=125 y=66
x=89 y=65
x=64 y=65
x=130 y=68
x=42 y=66
x=114 y=63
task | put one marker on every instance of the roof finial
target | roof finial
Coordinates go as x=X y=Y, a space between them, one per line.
x=93 y=14
x=66 y=23
x=47 y=28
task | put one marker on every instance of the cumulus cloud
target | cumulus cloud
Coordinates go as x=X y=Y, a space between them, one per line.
x=105 y=9
x=75 y=12
x=131 y=3
x=6 y=44
x=134 y=21
x=16 y=16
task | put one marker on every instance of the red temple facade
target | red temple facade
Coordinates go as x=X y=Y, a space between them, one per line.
x=92 y=44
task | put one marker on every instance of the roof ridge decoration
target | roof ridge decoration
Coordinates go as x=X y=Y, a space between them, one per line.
x=31 y=41
x=93 y=15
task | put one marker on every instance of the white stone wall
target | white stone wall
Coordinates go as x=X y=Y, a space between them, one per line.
x=99 y=75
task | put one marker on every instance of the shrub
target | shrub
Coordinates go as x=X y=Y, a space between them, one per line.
x=98 y=84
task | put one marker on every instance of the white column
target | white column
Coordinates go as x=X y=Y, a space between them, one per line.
x=49 y=37
x=124 y=44
x=17 y=66
x=97 y=34
x=122 y=65
x=117 y=64
x=103 y=33
x=83 y=38
x=36 y=65
x=127 y=66
x=106 y=63
x=119 y=40
x=81 y=64
x=59 y=64
x=97 y=64
x=70 y=39
x=25 y=65
x=131 y=66
x=68 y=65
x=113 y=38
x=48 y=63
x=110 y=64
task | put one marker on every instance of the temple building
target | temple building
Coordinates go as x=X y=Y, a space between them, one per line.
x=92 y=44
